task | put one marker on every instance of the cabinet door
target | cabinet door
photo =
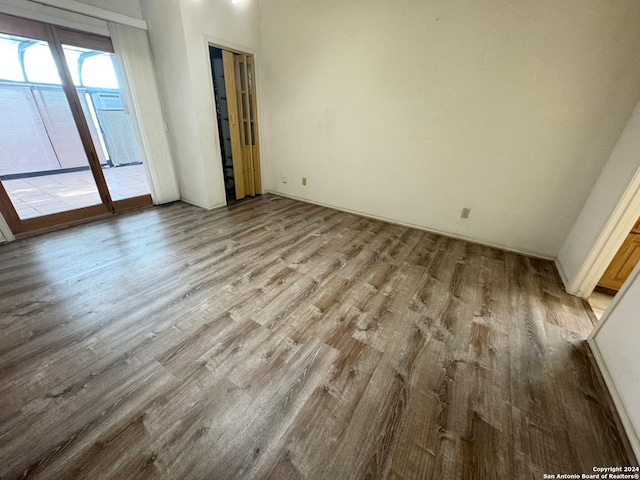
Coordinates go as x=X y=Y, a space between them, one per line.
x=623 y=263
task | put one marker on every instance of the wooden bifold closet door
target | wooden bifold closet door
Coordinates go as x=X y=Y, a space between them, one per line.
x=624 y=262
x=239 y=73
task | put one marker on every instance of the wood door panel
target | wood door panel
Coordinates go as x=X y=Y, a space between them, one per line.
x=234 y=122
x=623 y=263
x=242 y=84
x=239 y=74
x=253 y=116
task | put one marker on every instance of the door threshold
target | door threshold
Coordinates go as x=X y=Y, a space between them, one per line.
x=75 y=223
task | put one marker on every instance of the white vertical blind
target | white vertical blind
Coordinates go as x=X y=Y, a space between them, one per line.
x=138 y=76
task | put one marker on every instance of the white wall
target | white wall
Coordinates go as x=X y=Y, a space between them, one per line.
x=616 y=349
x=166 y=40
x=412 y=110
x=613 y=182
x=615 y=339
x=126 y=7
x=179 y=31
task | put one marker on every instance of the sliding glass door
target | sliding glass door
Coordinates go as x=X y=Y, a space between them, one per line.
x=111 y=127
x=68 y=149
x=38 y=136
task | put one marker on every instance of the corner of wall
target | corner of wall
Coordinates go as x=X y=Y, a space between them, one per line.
x=607 y=215
x=563 y=275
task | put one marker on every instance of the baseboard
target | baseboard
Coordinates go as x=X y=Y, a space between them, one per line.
x=563 y=275
x=527 y=253
x=623 y=422
x=199 y=205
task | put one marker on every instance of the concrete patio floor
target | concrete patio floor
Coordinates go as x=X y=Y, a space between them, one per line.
x=44 y=195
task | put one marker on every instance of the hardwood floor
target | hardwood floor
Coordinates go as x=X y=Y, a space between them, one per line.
x=280 y=340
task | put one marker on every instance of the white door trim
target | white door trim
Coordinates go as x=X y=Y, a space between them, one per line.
x=620 y=223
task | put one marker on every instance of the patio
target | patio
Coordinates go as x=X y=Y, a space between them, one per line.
x=44 y=195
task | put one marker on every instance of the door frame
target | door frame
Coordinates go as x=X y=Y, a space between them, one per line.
x=611 y=238
x=55 y=36
x=211 y=41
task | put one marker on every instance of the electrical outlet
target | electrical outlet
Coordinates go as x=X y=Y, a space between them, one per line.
x=465 y=213
x=285 y=179
x=304 y=180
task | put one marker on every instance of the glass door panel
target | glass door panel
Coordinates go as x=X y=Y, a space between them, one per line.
x=111 y=127
x=43 y=166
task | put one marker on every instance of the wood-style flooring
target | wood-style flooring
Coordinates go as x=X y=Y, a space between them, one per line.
x=281 y=340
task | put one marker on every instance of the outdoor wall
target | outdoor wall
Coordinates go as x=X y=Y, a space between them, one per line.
x=179 y=32
x=413 y=110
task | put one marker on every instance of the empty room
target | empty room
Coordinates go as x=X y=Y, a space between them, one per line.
x=279 y=239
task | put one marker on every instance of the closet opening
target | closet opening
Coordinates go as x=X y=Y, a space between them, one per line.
x=233 y=78
x=620 y=268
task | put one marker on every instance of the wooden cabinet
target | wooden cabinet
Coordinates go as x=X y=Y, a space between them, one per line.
x=624 y=261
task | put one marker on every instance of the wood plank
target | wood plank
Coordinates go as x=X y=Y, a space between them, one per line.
x=278 y=339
